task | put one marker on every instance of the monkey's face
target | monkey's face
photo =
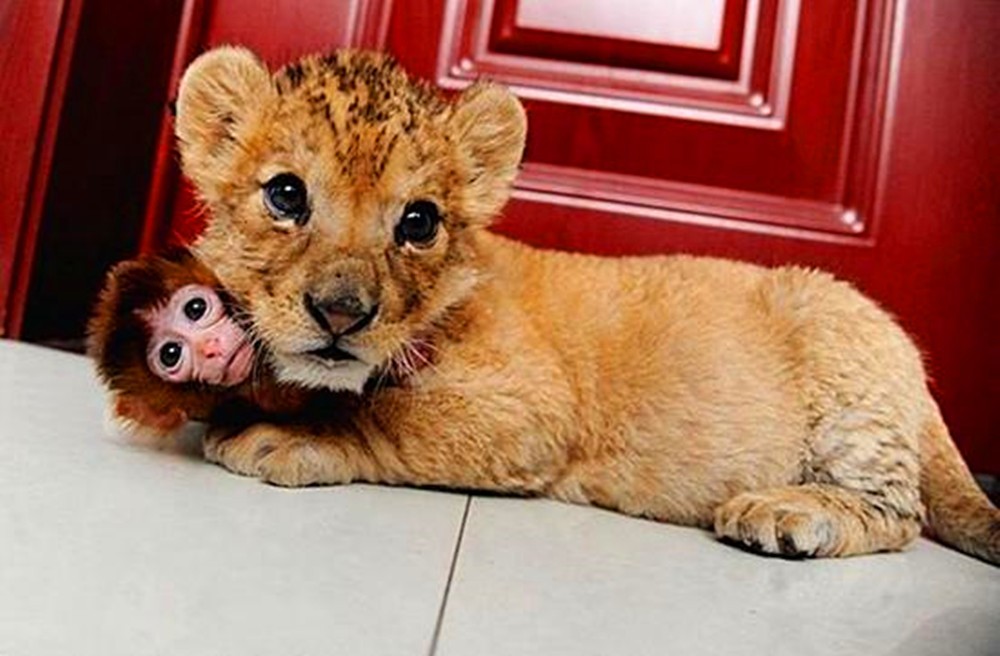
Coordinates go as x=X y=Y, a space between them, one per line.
x=193 y=339
x=345 y=202
x=163 y=342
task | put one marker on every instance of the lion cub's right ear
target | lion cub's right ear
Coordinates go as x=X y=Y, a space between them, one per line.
x=221 y=96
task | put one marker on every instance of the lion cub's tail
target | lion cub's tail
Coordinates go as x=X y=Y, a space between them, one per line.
x=958 y=511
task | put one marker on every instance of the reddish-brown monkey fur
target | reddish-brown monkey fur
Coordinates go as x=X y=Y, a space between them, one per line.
x=118 y=338
x=780 y=407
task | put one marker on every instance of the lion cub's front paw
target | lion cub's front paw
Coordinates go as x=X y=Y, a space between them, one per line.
x=773 y=524
x=272 y=454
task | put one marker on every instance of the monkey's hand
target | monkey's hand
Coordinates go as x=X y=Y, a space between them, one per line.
x=290 y=456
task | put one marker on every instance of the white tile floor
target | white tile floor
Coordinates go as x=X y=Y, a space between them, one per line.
x=109 y=548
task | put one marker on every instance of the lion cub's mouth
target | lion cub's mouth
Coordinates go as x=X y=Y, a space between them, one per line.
x=332 y=353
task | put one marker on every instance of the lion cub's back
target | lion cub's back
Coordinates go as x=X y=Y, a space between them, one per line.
x=741 y=344
x=824 y=335
x=656 y=336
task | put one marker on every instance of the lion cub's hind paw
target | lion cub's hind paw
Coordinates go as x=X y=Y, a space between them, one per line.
x=775 y=524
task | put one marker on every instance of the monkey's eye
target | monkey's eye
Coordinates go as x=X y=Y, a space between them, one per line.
x=419 y=223
x=195 y=308
x=286 y=199
x=170 y=354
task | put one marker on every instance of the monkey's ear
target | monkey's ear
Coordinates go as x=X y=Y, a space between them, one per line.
x=221 y=95
x=490 y=127
x=134 y=410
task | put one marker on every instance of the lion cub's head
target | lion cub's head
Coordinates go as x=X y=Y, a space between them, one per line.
x=344 y=199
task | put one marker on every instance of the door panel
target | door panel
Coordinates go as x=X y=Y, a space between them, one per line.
x=674 y=36
x=777 y=145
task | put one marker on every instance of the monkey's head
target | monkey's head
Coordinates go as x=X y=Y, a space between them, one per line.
x=163 y=343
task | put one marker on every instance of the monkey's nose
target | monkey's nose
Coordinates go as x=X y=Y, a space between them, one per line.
x=210 y=348
x=341 y=315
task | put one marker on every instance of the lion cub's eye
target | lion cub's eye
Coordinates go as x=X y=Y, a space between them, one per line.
x=419 y=223
x=285 y=198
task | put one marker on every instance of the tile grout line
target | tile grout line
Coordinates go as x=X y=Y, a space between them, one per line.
x=451 y=575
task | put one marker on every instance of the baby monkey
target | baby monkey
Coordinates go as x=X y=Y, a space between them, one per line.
x=168 y=348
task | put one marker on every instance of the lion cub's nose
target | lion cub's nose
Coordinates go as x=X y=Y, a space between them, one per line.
x=341 y=315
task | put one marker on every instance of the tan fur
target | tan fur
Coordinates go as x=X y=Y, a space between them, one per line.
x=780 y=407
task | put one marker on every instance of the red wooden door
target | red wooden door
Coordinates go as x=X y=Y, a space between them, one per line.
x=852 y=135
x=33 y=59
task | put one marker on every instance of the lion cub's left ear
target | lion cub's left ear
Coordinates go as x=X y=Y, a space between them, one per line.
x=221 y=99
x=490 y=127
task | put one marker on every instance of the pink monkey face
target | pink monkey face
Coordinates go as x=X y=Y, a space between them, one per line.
x=195 y=340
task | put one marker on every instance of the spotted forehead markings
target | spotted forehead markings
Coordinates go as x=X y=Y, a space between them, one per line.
x=377 y=75
x=381 y=94
x=387 y=90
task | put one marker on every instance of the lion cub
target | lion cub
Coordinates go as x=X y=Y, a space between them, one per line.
x=349 y=208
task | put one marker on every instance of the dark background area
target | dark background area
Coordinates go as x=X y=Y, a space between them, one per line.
x=102 y=163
